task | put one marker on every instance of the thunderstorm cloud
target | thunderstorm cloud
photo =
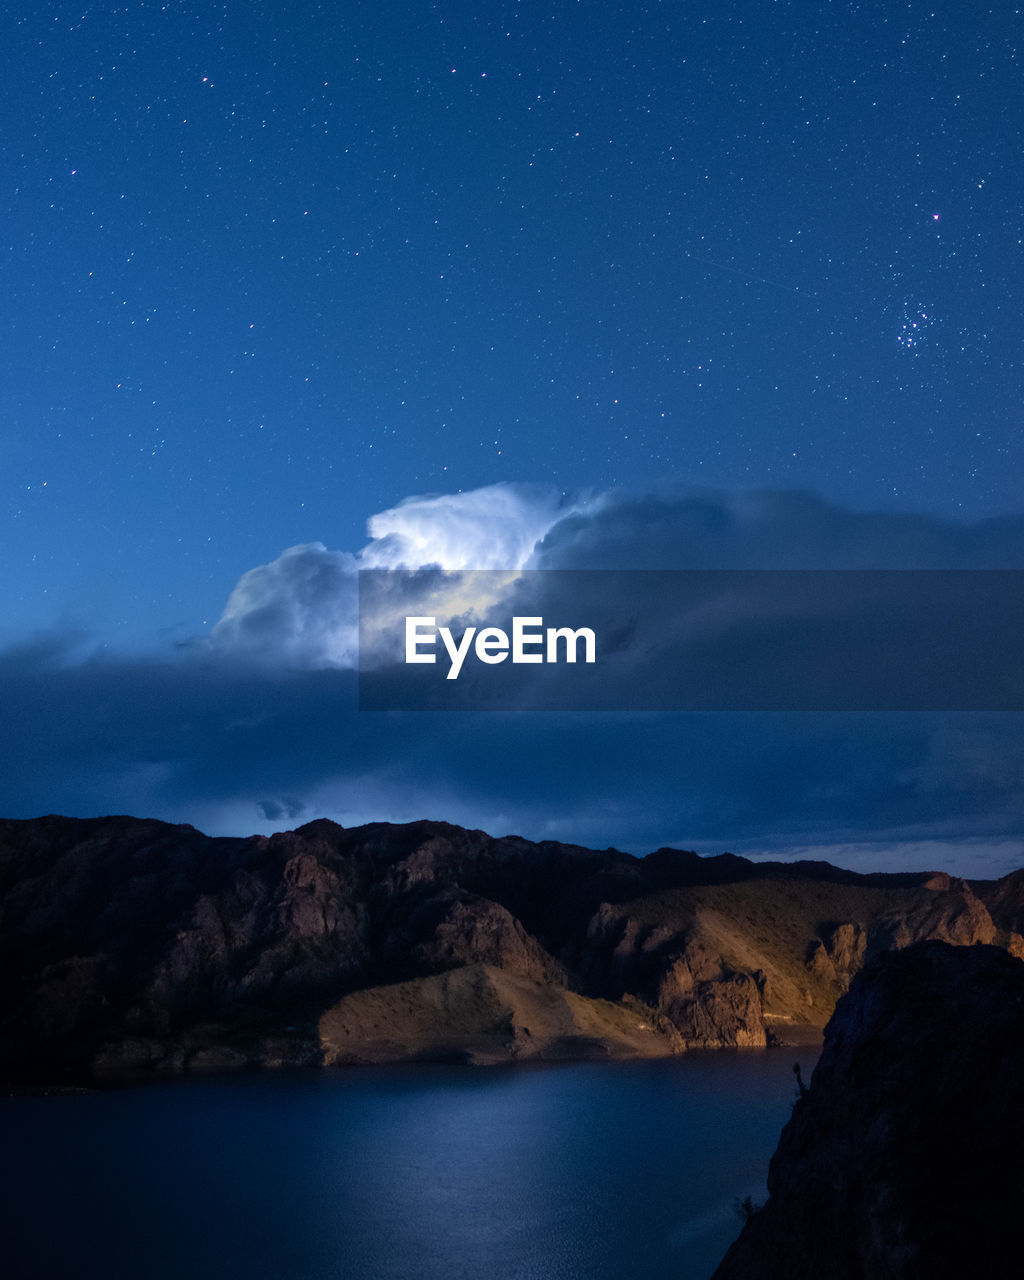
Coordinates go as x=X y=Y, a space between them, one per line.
x=258 y=726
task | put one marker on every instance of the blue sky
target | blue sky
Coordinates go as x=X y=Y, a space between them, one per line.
x=272 y=270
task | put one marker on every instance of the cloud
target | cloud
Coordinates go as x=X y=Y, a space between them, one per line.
x=496 y=527
x=234 y=749
x=300 y=610
x=232 y=745
x=769 y=529
x=275 y=810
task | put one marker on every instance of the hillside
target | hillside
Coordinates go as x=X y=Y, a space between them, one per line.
x=131 y=946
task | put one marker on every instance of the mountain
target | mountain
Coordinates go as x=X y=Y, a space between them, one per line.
x=904 y=1160
x=131 y=946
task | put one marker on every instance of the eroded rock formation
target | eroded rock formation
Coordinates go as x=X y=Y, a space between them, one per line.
x=130 y=945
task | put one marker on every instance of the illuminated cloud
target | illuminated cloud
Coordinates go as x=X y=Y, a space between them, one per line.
x=297 y=611
x=496 y=527
x=300 y=610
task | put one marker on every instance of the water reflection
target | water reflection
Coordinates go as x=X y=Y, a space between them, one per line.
x=613 y=1172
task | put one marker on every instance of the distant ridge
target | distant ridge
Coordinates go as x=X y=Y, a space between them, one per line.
x=131 y=946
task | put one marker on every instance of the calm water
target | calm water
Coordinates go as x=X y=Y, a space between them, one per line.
x=583 y=1172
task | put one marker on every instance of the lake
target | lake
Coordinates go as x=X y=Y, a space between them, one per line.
x=618 y=1171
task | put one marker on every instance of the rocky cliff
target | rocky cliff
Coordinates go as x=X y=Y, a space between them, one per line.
x=904 y=1160
x=131 y=946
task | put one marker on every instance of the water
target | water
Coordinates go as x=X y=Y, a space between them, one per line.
x=625 y=1171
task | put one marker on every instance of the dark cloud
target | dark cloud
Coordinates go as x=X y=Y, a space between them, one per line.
x=274 y=810
x=235 y=749
x=770 y=529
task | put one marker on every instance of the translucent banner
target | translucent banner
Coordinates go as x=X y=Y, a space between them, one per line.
x=692 y=640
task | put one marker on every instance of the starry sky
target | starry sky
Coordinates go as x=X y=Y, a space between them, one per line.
x=272 y=270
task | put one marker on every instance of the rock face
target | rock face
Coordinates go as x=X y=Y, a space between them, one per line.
x=1005 y=902
x=485 y=1015
x=904 y=1160
x=131 y=946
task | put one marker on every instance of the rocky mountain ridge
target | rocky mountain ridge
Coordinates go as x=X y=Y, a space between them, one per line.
x=132 y=946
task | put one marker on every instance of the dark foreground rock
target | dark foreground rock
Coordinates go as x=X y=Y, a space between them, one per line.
x=130 y=947
x=904 y=1160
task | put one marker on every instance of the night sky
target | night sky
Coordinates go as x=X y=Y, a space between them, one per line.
x=746 y=275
